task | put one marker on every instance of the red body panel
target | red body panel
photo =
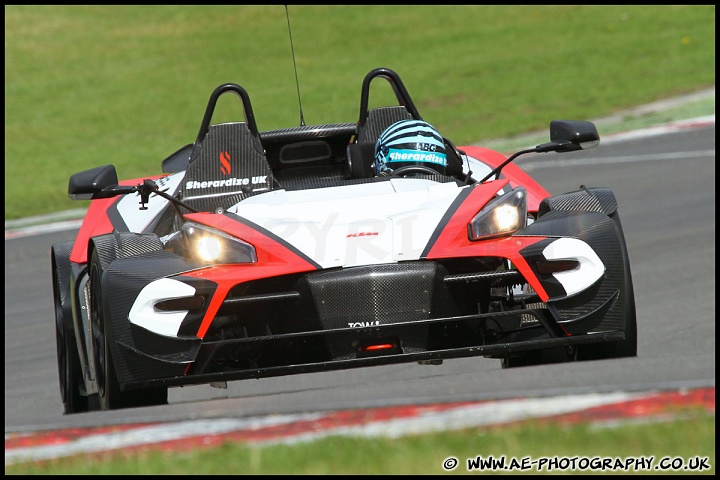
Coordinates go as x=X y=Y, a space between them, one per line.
x=274 y=259
x=453 y=241
x=96 y=221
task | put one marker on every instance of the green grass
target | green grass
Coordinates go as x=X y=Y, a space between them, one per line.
x=685 y=438
x=90 y=85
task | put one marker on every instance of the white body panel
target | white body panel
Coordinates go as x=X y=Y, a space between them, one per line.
x=591 y=268
x=144 y=313
x=479 y=169
x=357 y=224
x=138 y=220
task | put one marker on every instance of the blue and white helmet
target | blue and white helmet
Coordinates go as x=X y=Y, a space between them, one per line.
x=409 y=142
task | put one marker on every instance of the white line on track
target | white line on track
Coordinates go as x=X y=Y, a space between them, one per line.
x=47 y=228
x=535 y=164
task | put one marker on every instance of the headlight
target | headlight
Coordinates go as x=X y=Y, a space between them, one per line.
x=502 y=216
x=217 y=247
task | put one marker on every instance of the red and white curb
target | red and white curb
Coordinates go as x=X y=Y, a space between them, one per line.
x=602 y=409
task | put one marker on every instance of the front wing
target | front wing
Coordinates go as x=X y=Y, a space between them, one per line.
x=232 y=322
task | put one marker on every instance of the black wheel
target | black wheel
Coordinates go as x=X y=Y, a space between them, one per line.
x=413 y=169
x=108 y=388
x=628 y=346
x=110 y=395
x=69 y=371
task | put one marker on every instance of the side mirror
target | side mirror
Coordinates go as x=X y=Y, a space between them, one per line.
x=573 y=135
x=98 y=182
x=565 y=136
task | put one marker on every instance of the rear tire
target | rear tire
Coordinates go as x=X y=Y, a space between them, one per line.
x=69 y=370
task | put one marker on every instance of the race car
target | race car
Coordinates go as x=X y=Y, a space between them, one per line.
x=334 y=246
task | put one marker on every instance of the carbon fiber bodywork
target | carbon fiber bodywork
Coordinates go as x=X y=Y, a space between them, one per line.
x=593 y=310
x=320 y=320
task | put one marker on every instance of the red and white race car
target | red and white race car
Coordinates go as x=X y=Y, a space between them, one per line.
x=334 y=246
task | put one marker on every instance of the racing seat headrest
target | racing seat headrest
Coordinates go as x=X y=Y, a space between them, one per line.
x=225 y=168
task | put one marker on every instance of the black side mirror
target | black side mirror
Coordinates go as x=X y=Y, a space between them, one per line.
x=98 y=182
x=565 y=136
x=574 y=134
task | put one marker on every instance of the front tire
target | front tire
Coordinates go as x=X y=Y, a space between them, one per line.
x=110 y=396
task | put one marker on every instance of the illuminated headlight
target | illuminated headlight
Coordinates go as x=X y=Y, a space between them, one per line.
x=503 y=216
x=217 y=247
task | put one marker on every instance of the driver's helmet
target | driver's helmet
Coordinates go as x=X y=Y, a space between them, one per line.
x=409 y=143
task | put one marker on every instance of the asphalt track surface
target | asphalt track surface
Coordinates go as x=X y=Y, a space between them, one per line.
x=664 y=182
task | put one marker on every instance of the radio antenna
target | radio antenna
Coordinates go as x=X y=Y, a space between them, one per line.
x=297 y=83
